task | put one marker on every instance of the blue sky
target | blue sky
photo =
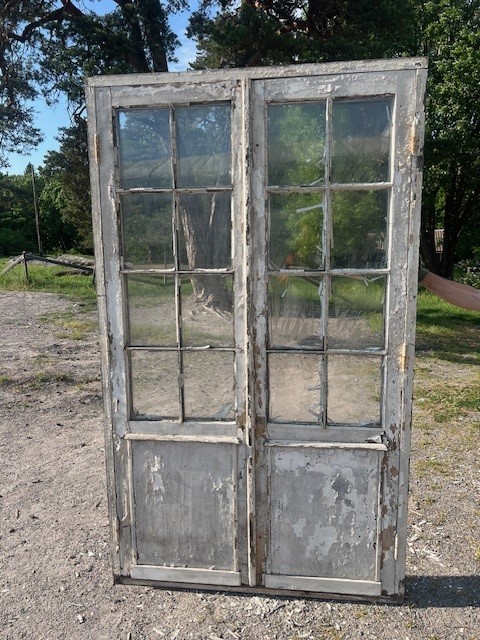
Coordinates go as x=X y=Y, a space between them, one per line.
x=50 y=119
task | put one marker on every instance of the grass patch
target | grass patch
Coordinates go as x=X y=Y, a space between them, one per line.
x=424 y=468
x=447 y=332
x=45 y=378
x=446 y=401
x=51 y=279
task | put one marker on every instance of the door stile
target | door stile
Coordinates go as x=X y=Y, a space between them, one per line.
x=414 y=201
x=109 y=288
x=400 y=309
x=245 y=377
x=259 y=325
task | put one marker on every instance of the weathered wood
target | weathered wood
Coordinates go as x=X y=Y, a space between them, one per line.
x=192 y=576
x=12 y=264
x=271 y=484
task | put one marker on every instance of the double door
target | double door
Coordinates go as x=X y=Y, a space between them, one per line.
x=256 y=239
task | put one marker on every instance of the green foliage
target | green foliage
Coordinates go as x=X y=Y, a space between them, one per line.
x=17 y=215
x=251 y=33
x=66 y=175
x=449 y=32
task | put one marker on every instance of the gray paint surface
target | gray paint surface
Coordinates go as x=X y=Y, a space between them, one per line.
x=324 y=512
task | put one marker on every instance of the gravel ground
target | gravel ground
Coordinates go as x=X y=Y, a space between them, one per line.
x=55 y=576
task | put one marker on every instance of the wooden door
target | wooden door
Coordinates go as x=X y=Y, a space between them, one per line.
x=256 y=256
x=332 y=200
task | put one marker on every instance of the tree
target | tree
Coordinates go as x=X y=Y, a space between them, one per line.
x=17 y=216
x=255 y=32
x=66 y=171
x=49 y=46
x=450 y=36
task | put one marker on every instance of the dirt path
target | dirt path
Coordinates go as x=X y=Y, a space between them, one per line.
x=55 y=579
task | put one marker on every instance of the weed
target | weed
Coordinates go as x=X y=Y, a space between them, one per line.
x=426 y=468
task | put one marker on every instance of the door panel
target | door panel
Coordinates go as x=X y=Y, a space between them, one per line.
x=324 y=506
x=184 y=496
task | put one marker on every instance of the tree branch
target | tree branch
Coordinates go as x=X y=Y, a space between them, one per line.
x=68 y=9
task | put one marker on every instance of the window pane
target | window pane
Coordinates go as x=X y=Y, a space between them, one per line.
x=296 y=144
x=147 y=230
x=355 y=319
x=294 y=388
x=154 y=379
x=145 y=148
x=151 y=310
x=203 y=145
x=361 y=140
x=295 y=312
x=359 y=229
x=354 y=390
x=296 y=231
x=208 y=380
x=205 y=231
x=210 y=323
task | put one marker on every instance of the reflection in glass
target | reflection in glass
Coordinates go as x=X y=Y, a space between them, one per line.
x=295 y=312
x=359 y=221
x=145 y=148
x=203 y=145
x=205 y=231
x=202 y=324
x=296 y=231
x=151 y=310
x=154 y=379
x=296 y=144
x=147 y=230
x=361 y=140
x=208 y=380
x=354 y=389
x=355 y=318
x=295 y=390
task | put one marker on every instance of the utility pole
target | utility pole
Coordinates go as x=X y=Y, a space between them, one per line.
x=37 y=214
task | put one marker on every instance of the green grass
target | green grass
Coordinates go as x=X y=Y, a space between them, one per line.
x=47 y=278
x=447 y=332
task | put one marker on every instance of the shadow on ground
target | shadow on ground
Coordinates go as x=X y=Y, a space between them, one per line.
x=443 y=591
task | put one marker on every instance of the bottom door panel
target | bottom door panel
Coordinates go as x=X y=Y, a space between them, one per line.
x=185 y=508
x=324 y=501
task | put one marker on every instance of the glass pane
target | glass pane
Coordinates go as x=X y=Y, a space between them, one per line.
x=154 y=379
x=359 y=229
x=296 y=231
x=151 y=310
x=295 y=389
x=295 y=312
x=205 y=231
x=355 y=314
x=145 y=148
x=207 y=323
x=296 y=144
x=354 y=390
x=203 y=145
x=208 y=380
x=361 y=140
x=147 y=230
